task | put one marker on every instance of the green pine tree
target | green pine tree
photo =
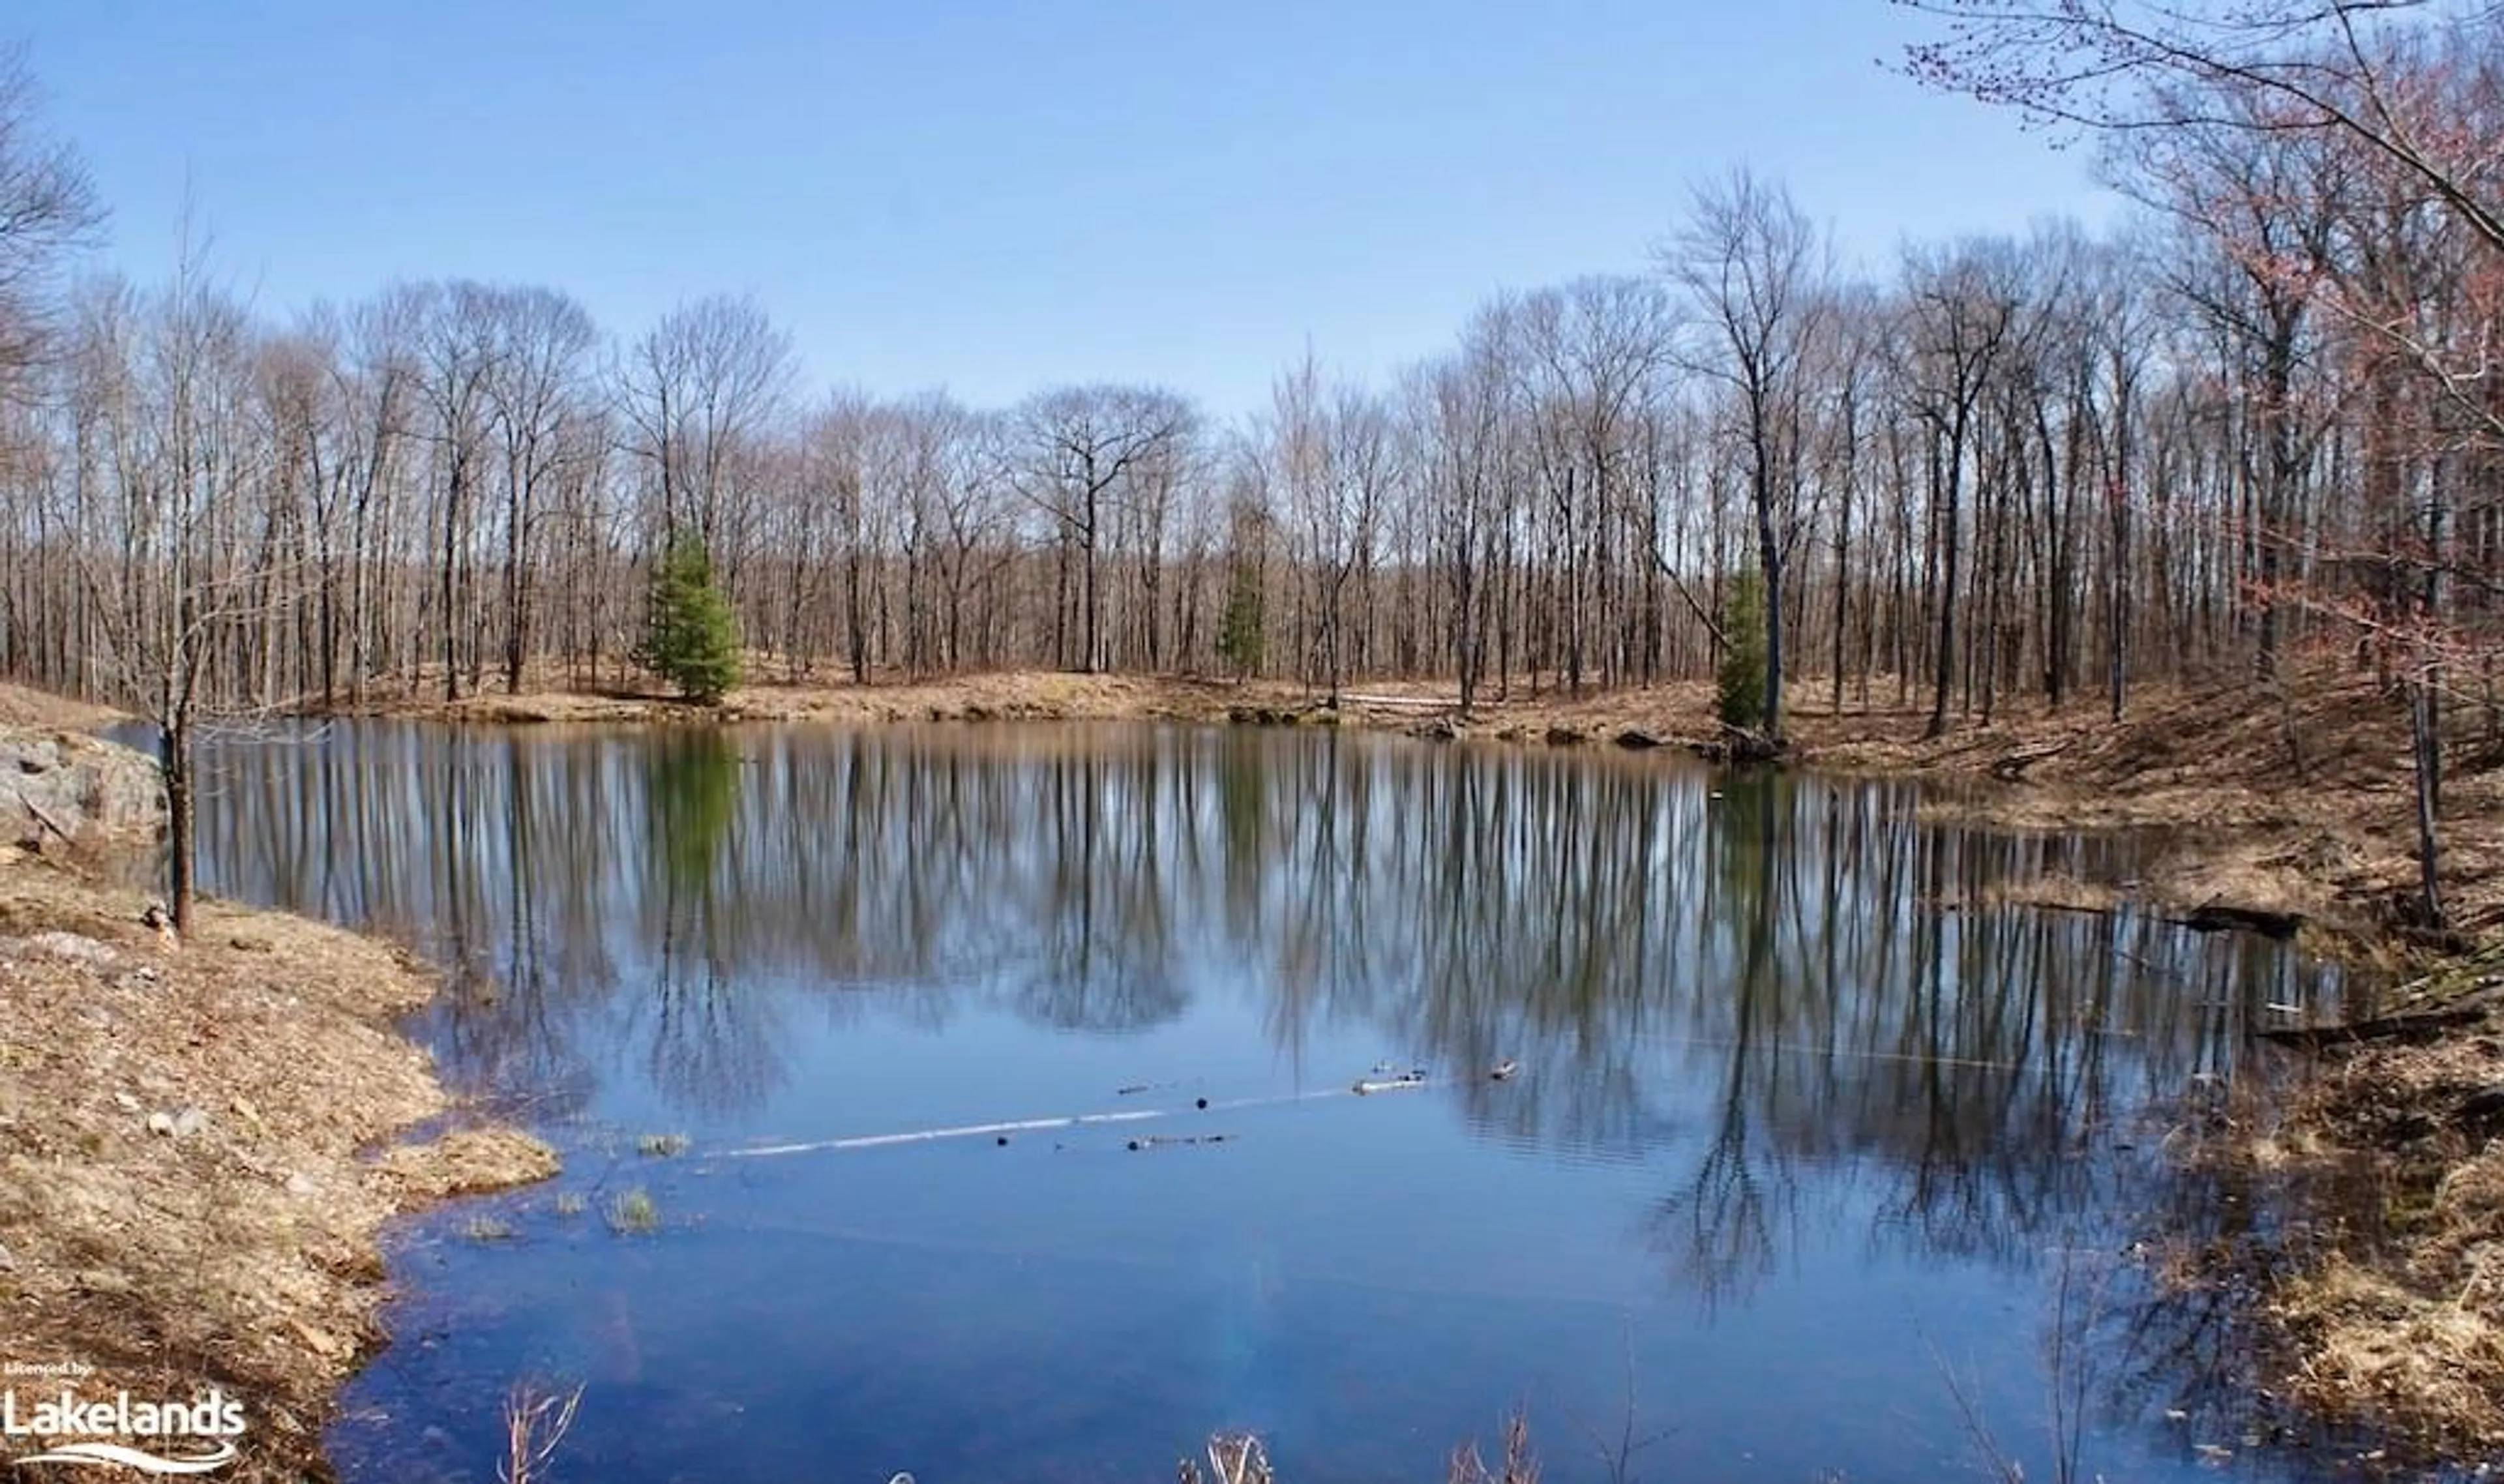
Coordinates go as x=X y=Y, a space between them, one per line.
x=1238 y=627
x=1741 y=701
x=691 y=638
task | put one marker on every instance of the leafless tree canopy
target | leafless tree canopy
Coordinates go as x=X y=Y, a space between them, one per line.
x=2342 y=157
x=48 y=208
x=2262 y=422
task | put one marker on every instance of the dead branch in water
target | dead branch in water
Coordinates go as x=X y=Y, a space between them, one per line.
x=536 y=1423
x=1520 y=1465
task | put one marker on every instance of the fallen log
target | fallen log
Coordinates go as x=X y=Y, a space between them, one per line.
x=2223 y=917
x=2416 y=1026
x=1421 y=702
x=2012 y=767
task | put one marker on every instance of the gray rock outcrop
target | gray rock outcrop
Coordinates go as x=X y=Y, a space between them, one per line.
x=60 y=784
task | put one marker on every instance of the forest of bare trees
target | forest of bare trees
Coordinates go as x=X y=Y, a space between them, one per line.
x=2036 y=470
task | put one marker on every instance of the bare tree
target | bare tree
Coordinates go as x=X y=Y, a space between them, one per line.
x=2276 y=67
x=834 y=494
x=1332 y=460
x=1964 y=310
x=535 y=394
x=170 y=381
x=49 y=210
x=1082 y=446
x=702 y=389
x=974 y=494
x=1750 y=260
x=458 y=348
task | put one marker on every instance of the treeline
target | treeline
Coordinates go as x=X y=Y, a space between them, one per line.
x=2034 y=467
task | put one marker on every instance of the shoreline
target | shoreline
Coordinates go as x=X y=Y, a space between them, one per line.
x=2328 y=844
x=2288 y=807
x=2383 y=1322
x=200 y=1148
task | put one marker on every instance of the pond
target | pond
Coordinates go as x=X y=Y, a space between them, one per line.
x=1812 y=1160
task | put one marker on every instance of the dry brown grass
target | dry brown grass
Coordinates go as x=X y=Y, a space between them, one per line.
x=469 y=1161
x=1008 y=696
x=2379 y=1351
x=1241 y=1458
x=241 y=1255
x=2296 y=800
x=24 y=706
x=2401 y=1327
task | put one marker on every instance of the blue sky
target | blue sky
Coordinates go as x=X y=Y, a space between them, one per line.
x=996 y=197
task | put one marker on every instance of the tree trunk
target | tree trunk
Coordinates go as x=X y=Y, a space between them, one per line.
x=174 y=754
x=2425 y=740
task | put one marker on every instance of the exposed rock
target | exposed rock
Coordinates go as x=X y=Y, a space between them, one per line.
x=63 y=786
x=1637 y=739
x=1261 y=716
x=1741 y=747
x=178 y=1126
x=1564 y=736
x=52 y=942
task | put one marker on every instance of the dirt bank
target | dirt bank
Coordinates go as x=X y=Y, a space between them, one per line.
x=188 y=1196
x=20 y=707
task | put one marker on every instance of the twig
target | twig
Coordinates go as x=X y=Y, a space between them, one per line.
x=1994 y=1457
x=535 y=1424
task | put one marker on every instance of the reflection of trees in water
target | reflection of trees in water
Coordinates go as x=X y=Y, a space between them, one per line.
x=711 y=1035
x=1719 y=1227
x=1738 y=984
x=1738 y=990
x=1100 y=921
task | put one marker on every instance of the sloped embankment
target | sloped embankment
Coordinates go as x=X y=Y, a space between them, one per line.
x=190 y=1195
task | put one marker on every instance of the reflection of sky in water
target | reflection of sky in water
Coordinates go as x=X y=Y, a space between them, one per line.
x=1798 y=1119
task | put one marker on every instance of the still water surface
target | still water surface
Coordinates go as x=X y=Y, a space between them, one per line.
x=1807 y=1139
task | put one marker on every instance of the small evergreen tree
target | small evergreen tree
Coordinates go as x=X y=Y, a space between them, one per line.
x=691 y=638
x=1238 y=628
x=1742 y=701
